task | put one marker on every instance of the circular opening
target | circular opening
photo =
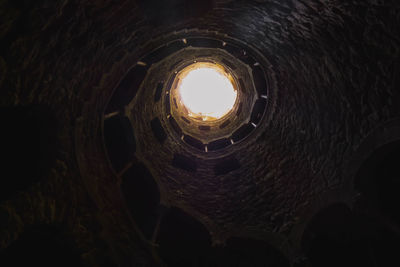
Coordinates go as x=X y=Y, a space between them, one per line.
x=207 y=90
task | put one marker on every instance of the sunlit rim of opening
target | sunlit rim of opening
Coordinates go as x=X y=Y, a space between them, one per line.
x=207 y=90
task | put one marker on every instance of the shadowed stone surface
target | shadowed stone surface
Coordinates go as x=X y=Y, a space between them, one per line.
x=336 y=65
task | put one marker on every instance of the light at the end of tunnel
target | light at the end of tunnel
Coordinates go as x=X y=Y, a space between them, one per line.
x=207 y=92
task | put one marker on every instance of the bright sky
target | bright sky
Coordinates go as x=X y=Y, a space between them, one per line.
x=207 y=92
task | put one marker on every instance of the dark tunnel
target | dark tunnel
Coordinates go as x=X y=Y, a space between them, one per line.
x=105 y=162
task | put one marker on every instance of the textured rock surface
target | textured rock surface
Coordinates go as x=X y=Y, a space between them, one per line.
x=337 y=67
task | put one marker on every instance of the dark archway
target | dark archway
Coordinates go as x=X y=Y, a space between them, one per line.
x=28 y=141
x=183 y=240
x=333 y=238
x=42 y=245
x=378 y=184
x=378 y=181
x=242 y=252
x=142 y=196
